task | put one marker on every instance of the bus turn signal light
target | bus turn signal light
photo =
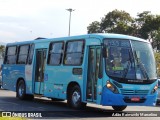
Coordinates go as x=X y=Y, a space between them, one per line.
x=154 y=89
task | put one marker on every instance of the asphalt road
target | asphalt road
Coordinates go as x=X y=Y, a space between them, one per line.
x=59 y=110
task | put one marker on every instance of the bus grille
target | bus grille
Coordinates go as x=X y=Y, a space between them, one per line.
x=134 y=92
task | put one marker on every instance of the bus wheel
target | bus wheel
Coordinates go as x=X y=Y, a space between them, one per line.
x=74 y=98
x=21 y=89
x=119 y=108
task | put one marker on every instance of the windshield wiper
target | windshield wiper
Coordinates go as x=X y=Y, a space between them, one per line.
x=141 y=66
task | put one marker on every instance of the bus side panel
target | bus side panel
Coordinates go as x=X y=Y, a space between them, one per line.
x=57 y=79
x=53 y=85
x=11 y=73
x=28 y=78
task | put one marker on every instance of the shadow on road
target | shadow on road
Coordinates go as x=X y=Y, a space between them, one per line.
x=50 y=108
x=54 y=109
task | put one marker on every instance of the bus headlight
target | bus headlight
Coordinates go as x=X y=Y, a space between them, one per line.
x=111 y=87
x=154 y=89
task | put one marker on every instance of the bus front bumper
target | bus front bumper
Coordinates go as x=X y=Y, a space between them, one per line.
x=111 y=99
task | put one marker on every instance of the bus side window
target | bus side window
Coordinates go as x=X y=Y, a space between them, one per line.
x=55 y=53
x=10 y=57
x=74 y=53
x=22 y=54
x=31 y=52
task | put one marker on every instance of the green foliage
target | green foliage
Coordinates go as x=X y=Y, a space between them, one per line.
x=94 y=27
x=2 y=47
x=117 y=22
x=145 y=25
x=157 y=57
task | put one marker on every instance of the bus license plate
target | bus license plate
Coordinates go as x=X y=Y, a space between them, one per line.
x=135 y=99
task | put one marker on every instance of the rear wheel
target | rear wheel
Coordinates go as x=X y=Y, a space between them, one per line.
x=74 y=98
x=119 y=108
x=21 y=90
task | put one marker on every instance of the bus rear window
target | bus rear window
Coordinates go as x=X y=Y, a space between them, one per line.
x=10 y=57
x=11 y=50
x=23 y=53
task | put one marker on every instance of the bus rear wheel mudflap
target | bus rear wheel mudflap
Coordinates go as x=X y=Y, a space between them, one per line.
x=21 y=91
x=119 y=108
x=74 y=98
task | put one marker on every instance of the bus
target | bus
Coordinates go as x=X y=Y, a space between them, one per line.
x=105 y=69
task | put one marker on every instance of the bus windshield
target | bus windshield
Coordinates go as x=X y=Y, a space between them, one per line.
x=129 y=59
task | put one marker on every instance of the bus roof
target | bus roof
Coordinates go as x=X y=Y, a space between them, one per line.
x=96 y=35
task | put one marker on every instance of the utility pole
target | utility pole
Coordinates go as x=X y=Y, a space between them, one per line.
x=70 y=11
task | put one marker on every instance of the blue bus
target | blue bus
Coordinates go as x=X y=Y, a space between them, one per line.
x=106 y=69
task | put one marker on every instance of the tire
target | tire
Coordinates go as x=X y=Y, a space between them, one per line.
x=21 y=90
x=158 y=102
x=119 y=108
x=74 y=98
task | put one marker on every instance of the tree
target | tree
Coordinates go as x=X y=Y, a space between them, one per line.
x=146 y=25
x=94 y=27
x=117 y=22
x=156 y=40
x=2 y=47
x=157 y=57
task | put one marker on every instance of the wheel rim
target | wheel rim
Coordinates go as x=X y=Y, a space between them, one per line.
x=75 y=97
x=21 y=90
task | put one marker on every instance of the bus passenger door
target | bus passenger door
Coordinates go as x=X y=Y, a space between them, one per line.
x=39 y=70
x=93 y=72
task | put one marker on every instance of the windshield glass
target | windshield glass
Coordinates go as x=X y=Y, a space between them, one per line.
x=144 y=60
x=122 y=61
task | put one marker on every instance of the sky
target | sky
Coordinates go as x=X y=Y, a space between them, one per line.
x=22 y=20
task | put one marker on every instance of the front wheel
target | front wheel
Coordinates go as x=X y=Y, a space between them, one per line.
x=74 y=98
x=119 y=108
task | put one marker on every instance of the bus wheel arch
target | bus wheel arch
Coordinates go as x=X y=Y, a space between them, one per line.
x=74 y=96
